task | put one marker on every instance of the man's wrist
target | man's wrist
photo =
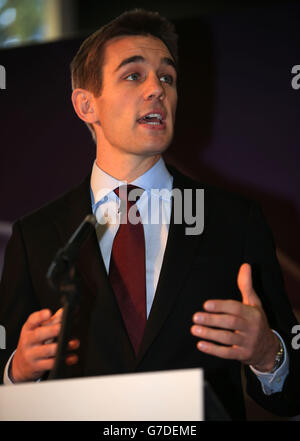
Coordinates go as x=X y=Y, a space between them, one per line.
x=278 y=358
x=272 y=382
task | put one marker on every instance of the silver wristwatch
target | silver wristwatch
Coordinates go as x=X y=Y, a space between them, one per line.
x=278 y=358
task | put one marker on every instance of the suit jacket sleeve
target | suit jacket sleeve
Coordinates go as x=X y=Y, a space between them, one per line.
x=17 y=298
x=268 y=283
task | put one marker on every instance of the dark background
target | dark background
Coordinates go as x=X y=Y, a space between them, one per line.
x=237 y=120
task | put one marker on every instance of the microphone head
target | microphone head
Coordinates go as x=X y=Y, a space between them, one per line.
x=66 y=256
x=91 y=219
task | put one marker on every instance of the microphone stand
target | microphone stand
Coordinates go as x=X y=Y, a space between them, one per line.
x=62 y=277
x=70 y=294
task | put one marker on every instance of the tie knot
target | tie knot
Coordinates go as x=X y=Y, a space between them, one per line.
x=129 y=193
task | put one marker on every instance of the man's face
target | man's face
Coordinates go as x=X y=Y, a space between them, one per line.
x=139 y=79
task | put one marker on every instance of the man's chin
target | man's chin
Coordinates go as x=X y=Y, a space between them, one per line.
x=156 y=148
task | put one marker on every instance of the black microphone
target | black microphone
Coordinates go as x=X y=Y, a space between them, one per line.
x=66 y=256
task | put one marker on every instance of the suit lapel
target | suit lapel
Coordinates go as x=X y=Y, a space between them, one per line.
x=179 y=255
x=76 y=206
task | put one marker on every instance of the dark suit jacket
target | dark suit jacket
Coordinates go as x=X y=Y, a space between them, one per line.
x=195 y=268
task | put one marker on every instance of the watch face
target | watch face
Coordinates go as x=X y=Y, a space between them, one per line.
x=278 y=359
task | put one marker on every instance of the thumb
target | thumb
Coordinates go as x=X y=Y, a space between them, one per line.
x=244 y=281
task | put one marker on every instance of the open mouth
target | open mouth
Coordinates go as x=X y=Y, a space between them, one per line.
x=152 y=119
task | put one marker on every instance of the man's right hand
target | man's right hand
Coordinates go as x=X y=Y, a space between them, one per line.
x=35 y=353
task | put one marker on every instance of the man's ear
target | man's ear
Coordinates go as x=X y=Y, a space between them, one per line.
x=83 y=103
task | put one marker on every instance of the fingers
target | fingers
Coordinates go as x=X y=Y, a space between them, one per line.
x=43 y=351
x=71 y=359
x=217 y=335
x=232 y=307
x=37 y=347
x=36 y=319
x=47 y=364
x=55 y=318
x=227 y=352
x=43 y=334
x=42 y=327
x=74 y=344
x=206 y=324
x=225 y=321
x=234 y=329
x=49 y=350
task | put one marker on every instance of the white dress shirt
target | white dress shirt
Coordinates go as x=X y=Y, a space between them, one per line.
x=106 y=205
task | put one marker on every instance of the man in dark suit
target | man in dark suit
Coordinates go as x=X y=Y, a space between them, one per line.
x=212 y=300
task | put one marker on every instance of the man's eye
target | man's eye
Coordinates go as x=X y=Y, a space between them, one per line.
x=132 y=77
x=167 y=79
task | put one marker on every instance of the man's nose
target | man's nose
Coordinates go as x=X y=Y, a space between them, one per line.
x=153 y=88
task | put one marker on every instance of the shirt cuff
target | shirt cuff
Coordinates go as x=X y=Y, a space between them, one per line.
x=273 y=382
x=6 y=378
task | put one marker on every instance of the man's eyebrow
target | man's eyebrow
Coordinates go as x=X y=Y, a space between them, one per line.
x=169 y=62
x=140 y=59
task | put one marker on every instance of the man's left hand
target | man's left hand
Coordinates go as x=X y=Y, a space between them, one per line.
x=241 y=329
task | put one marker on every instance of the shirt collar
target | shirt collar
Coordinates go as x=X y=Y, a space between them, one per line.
x=157 y=177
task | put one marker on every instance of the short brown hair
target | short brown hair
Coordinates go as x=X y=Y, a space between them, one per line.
x=86 y=67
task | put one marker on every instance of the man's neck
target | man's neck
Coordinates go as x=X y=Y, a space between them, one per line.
x=128 y=169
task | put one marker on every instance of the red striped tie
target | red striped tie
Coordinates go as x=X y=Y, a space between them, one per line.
x=127 y=272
